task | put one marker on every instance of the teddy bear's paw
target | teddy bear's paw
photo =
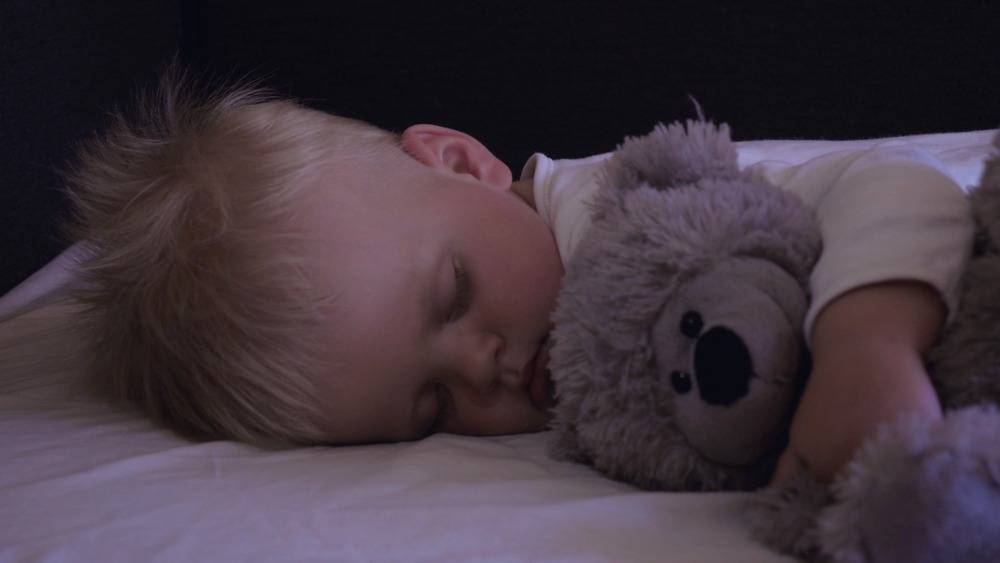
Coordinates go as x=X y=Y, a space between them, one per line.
x=920 y=491
x=965 y=363
x=784 y=518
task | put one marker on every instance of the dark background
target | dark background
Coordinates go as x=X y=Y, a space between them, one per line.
x=566 y=77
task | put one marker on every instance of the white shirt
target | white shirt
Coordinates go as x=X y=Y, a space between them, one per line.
x=887 y=209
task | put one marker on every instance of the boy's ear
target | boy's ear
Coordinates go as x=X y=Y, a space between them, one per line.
x=450 y=150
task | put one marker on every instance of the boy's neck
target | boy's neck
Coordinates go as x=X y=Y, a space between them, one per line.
x=524 y=190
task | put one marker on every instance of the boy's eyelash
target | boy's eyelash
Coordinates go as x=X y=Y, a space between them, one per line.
x=463 y=293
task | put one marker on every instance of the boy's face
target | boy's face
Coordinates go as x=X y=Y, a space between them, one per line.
x=444 y=281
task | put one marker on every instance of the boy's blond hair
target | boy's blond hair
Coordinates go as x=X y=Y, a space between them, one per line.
x=200 y=309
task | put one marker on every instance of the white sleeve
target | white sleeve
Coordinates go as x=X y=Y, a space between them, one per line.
x=886 y=213
x=564 y=190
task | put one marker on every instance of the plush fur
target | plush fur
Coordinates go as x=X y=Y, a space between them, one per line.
x=679 y=232
x=677 y=361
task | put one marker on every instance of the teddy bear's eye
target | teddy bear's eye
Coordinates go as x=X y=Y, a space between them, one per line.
x=691 y=324
x=681 y=382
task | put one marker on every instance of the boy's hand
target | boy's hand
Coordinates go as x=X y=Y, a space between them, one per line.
x=868 y=370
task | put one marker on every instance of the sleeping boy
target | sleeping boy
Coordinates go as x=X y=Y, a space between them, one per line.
x=266 y=272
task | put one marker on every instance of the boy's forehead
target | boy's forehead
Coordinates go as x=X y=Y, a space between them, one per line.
x=358 y=205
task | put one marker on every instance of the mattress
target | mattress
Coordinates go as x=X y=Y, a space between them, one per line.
x=82 y=481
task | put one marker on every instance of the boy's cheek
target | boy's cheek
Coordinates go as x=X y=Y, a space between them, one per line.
x=514 y=417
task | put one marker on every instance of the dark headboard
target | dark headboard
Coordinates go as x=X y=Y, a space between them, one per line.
x=566 y=77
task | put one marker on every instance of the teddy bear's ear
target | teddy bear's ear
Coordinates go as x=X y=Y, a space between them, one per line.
x=673 y=155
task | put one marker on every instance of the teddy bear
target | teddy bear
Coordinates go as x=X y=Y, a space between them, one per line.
x=678 y=358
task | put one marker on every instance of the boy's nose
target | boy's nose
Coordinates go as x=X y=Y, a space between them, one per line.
x=481 y=358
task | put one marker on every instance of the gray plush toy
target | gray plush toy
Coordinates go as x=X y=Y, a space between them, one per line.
x=678 y=358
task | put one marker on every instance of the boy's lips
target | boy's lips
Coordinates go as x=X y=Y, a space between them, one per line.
x=538 y=379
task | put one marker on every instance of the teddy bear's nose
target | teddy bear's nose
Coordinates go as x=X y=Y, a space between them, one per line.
x=723 y=366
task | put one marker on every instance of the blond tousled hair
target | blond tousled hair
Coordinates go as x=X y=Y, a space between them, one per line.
x=199 y=307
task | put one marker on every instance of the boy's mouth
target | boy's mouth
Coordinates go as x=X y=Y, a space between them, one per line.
x=538 y=379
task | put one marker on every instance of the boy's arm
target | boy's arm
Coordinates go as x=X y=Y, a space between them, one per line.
x=897 y=233
x=868 y=370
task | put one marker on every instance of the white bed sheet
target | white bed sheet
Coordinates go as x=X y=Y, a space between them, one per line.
x=82 y=482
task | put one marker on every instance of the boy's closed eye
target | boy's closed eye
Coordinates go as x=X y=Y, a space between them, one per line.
x=462 y=297
x=459 y=304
